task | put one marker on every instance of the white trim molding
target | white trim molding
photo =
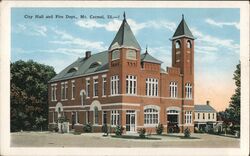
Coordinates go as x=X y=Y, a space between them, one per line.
x=152 y=106
x=94 y=104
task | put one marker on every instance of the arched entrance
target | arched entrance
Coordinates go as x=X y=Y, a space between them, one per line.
x=173 y=119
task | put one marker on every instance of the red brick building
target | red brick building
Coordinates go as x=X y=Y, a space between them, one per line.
x=124 y=86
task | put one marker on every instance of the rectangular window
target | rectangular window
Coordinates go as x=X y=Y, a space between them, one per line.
x=87 y=87
x=114 y=85
x=115 y=117
x=198 y=115
x=104 y=86
x=66 y=90
x=208 y=115
x=95 y=87
x=73 y=87
x=115 y=55
x=130 y=84
x=62 y=91
x=188 y=117
x=173 y=89
x=87 y=117
x=53 y=92
x=104 y=117
x=213 y=115
x=203 y=115
x=151 y=87
x=77 y=118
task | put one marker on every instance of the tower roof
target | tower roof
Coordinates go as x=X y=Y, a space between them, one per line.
x=183 y=30
x=146 y=57
x=124 y=37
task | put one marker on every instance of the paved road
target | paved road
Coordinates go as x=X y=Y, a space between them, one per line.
x=48 y=139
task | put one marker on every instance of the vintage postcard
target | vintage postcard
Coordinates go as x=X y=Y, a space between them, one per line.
x=125 y=78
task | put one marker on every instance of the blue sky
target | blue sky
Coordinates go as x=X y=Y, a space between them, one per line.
x=58 y=42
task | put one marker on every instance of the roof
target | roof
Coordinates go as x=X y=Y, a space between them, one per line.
x=95 y=63
x=146 y=57
x=183 y=30
x=124 y=37
x=204 y=108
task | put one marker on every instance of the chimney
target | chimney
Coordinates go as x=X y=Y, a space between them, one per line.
x=208 y=102
x=87 y=54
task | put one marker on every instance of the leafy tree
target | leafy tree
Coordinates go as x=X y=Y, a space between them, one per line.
x=234 y=105
x=29 y=95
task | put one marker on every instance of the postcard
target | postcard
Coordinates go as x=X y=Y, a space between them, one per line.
x=115 y=78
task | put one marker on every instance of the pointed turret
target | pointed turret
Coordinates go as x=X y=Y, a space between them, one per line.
x=124 y=37
x=183 y=30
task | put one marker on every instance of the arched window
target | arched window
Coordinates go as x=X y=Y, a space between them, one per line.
x=131 y=54
x=71 y=70
x=188 y=88
x=95 y=64
x=115 y=55
x=177 y=44
x=95 y=115
x=151 y=116
x=173 y=89
x=189 y=45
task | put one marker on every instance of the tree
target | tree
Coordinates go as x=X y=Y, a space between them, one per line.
x=29 y=99
x=234 y=105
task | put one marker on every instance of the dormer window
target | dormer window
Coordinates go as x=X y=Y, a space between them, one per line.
x=115 y=55
x=131 y=54
x=95 y=64
x=71 y=70
x=177 y=44
x=189 y=44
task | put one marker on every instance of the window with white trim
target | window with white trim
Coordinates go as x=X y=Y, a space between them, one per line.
x=151 y=87
x=213 y=115
x=104 y=86
x=104 y=117
x=198 y=115
x=115 y=117
x=95 y=87
x=203 y=115
x=95 y=115
x=151 y=116
x=87 y=87
x=53 y=92
x=77 y=118
x=130 y=84
x=177 y=44
x=131 y=54
x=189 y=44
x=83 y=97
x=64 y=90
x=114 y=87
x=115 y=55
x=188 y=117
x=173 y=89
x=188 y=88
x=209 y=116
x=73 y=87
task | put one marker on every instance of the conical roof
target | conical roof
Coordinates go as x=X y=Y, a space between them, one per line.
x=183 y=30
x=124 y=37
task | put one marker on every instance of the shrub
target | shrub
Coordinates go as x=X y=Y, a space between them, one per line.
x=187 y=132
x=159 y=129
x=118 y=130
x=142 y=132
x=105 y=129
x=56 y=129
x=87 y=128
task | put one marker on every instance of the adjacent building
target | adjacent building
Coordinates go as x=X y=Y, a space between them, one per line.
x=205 y=116
x=126 y=86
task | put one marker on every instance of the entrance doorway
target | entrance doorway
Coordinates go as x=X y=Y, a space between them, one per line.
x=73 y=117
x=173 y=121
x=130 y=121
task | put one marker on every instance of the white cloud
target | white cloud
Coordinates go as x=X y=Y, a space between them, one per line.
x=135 y=26
x=31 y=29
x=67 y=39
x=214 y=43
x=222 y=24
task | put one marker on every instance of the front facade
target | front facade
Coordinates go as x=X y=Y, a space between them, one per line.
x=124 y=86
x=205 y=117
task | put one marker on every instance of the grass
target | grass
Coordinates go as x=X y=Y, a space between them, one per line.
x=134 y=137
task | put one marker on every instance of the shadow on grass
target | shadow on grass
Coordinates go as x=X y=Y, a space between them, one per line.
x=134 y=137
x=178 y=136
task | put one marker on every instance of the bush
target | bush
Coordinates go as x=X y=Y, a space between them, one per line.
x=159 y=129
x=56 y=129
x=105 y=129
x=87 y=128
x=187 y=132
x=118 y=130
x=142 y=132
